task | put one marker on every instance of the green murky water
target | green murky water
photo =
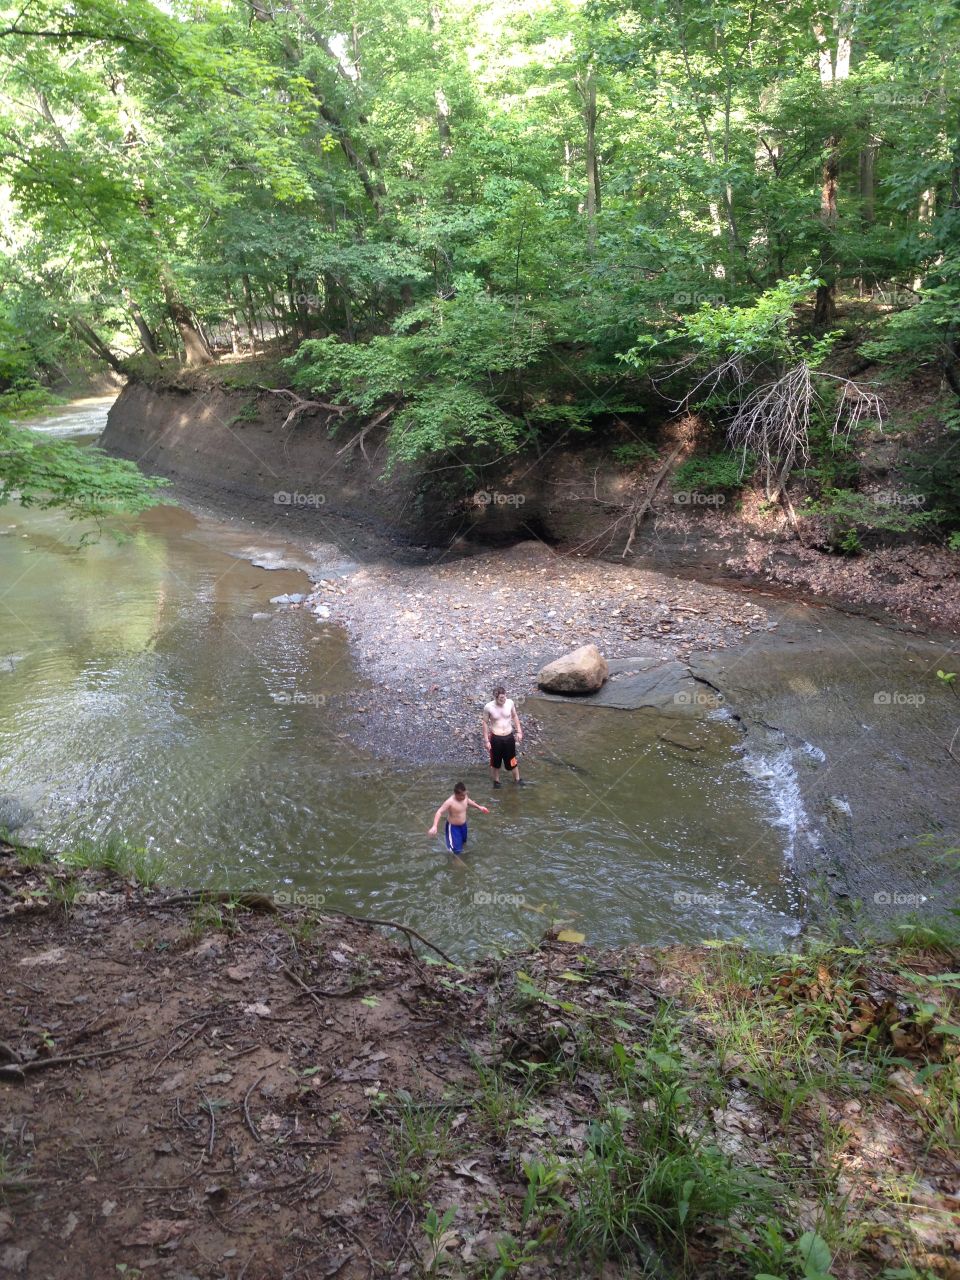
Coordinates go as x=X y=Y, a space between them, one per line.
x=140 y=696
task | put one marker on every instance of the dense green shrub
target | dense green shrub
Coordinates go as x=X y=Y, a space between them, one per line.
x=713 y=472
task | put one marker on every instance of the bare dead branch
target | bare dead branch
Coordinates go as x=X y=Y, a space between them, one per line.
x=300 y=405
x=640 y=509
x=361 y=435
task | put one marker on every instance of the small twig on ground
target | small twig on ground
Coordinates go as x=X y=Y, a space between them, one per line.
x=213 y=1122
x=16 y=1184
x=246 y=1108
x=393 y=924
x=294 y=977
x=176 y=1049
x=353 y=1235
x=252 y=901
x=14 y=1069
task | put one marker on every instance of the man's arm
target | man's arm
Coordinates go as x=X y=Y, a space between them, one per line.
x=437 y=816
x=485 y=726
x=516 y=723
x=482 y=807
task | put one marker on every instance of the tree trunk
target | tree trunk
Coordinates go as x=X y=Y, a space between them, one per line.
x=146 y=334
x=195 y=349
x=834 y=63
x=443 y=124
x=250 y=312
x=825 y=308
x=593 y=173
x=868 y=160
x=97 y=345
x=373 y=187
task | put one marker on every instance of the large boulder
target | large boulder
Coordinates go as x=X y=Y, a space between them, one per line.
x=582 y=671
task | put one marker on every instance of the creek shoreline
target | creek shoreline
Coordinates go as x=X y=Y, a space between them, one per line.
x=431 y=633
x=234 y=449
x=201 y=1086
x=430 y=636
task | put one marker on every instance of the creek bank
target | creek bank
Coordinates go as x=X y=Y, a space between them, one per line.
x=233 y=447
x=215 y=1090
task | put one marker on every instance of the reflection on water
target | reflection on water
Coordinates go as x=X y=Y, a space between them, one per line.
x=140 y=694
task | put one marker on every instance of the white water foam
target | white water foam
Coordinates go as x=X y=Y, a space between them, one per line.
x=779 y=780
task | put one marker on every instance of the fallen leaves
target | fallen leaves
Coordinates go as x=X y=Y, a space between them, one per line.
x=157 y=1231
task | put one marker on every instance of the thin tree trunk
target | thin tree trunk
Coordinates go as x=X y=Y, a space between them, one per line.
x=825 y=308
x=834 y=68
x=593 y=172
x=373 y=187
x=96 y=344
x=195 y=347
x=250 y=312
x=868 y=165
x=146 y=334
x=443 y=124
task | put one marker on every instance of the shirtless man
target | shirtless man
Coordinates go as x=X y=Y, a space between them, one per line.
x=455 y=807
x=501 y=733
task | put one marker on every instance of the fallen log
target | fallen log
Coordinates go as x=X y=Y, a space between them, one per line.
x=640 y=509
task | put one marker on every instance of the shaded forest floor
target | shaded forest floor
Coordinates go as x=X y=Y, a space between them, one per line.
x=213 y=1088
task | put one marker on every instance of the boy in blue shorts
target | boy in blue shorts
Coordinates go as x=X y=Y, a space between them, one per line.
x=455 y=833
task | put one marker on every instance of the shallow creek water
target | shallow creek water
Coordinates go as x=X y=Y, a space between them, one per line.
x=140 y=696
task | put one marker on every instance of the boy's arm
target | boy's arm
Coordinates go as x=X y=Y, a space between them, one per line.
x=516 y=724
x=482 y=807
x=437 y=816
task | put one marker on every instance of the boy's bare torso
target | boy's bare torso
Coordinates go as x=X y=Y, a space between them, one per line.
x=457 y=811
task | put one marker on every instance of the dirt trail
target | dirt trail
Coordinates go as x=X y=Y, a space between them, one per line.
x=207 y=1092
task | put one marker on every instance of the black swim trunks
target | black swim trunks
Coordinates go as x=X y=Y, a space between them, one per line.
x=503 y=751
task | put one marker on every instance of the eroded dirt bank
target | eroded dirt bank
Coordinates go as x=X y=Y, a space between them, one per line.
x=237 y=449
x=222 y=1089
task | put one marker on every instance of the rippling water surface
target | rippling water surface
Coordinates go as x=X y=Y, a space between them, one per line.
x=139 y=695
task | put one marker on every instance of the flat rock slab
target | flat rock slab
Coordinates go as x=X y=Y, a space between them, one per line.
x=866 y=721
x=648 y=682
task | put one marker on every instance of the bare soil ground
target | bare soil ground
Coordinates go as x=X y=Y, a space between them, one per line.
x=225 y=1090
